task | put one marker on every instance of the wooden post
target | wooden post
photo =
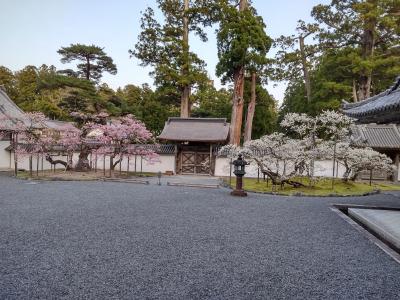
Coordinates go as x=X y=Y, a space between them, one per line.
x=30 y=166
x=104 y=165
x=15 y=154
x=370 y=177
x=230 y=173
x=334 y=165
x=95 y=164
x=397 y=163
x=111 y=165
x=210 y=172
x=135 y=163
x=37 y=165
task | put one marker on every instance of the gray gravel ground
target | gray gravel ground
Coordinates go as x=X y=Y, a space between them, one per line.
x=106 y=240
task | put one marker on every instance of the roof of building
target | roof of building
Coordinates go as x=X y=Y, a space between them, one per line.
x=10 y=113
x=157 y=148
x=382 y=108
x=210 y=130
x=377 y=136
x=58 y=125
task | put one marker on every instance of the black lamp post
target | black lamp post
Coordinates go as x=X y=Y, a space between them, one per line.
x=239 y=171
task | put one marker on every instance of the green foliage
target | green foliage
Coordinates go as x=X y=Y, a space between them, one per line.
x=241 y=41
x=212 y=103
x=266 y=114
x=93 y=61
x=162 y=46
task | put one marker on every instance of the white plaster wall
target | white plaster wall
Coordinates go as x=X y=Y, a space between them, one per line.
x=5 y=158
x=322 y=168
x=164 y=163
x=23 y=162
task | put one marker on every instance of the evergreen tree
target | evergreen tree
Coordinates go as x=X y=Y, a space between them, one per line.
x=93 y=61
x=242 y=43
x=370 y=27
x=165 y=47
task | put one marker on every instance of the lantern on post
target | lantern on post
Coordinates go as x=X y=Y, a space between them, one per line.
x=239 y=166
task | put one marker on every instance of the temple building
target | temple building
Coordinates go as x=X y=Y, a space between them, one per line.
x=378 y=123
x=196 y=140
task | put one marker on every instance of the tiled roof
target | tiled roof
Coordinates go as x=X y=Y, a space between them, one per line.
x=157 y=148
x=384 y=107
x=10 y=113
x=195 y=130
x=376 y=136
x=58 y=125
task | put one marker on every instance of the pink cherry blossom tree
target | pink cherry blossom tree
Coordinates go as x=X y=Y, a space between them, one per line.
x=122 y=137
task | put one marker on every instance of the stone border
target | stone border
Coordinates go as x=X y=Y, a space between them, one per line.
x=206 y=186
x=374 y=238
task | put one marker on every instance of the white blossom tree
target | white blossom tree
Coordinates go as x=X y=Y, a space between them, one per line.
x=356 y=160
x=283 y=156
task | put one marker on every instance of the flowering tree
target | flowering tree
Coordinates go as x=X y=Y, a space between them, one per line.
x=356 y=160
x=329 y=126
x=68 y=139
x=284 y=156
x=277 y=156
x=85 y=122
x=122 y=138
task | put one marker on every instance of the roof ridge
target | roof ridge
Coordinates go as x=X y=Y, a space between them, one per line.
x=217 y=120
x=392 y=89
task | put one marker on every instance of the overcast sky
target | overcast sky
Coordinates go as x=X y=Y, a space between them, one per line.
x=32 y=31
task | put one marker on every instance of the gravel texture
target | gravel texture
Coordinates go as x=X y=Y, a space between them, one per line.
x=109 y=240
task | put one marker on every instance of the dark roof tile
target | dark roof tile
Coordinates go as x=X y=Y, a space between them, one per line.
x=195 y=130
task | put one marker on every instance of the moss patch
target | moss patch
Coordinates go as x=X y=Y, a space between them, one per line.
x=321 y=187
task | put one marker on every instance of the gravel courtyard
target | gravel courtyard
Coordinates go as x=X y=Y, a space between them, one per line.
x=109 y=240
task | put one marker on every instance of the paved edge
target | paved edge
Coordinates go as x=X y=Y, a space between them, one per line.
x=372 y=238
x=374 y=225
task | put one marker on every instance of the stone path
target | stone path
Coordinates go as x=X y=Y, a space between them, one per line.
x=385 y=223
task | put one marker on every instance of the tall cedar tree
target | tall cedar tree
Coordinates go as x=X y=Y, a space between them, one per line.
x=94 y=61
x=295 y=58
x=242 y=44
x=368 y=26
x=165 y=47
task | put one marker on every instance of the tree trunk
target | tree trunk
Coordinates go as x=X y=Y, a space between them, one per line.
x=355 y=98
x=87 y=68
x=306 y=73
x=58 y=161
x=83 y=164
x=367 y=48
x=237 y=107
x=185 y=97
x=250 y=109
x=237 y=102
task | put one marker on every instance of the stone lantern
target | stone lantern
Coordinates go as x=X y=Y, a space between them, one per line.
x=239 y=171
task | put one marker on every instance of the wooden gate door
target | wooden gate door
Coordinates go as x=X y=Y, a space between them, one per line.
x=188 y=162
x=202 y=163
x=195 y=162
